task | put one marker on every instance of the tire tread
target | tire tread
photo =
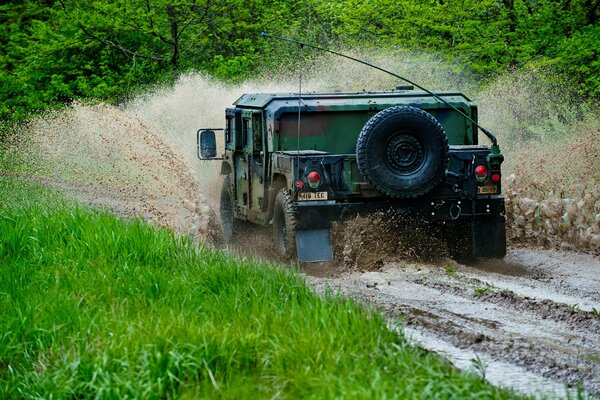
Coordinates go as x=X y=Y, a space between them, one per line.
x=380 y=117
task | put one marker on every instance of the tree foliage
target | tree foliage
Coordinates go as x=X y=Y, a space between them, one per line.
x=54 y=51
x=490 y=36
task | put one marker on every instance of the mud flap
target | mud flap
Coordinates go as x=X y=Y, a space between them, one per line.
x=489 y=238
x=314 y=245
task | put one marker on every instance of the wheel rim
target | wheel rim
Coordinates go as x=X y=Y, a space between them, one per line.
x=404 y=153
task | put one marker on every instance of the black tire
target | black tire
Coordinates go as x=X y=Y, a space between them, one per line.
x=284 y=224
x=402 y=152
x=230 y=226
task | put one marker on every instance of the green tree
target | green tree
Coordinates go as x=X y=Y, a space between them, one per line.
x=53 y=51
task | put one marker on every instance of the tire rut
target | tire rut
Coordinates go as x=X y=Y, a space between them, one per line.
x=472 y=310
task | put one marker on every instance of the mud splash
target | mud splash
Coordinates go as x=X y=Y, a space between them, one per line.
x=551 y=142
x=560 y=206
x=109 y=157
x=144 y=151
x=365 y=243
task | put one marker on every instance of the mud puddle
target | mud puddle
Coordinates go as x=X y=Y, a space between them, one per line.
x=529 y=327
x=496 y=372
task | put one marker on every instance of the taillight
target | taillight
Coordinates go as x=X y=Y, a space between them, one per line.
x=314 y=179
x=496 y=177
x=481 y=173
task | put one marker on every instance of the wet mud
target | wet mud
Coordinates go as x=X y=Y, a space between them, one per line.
x=526 y=318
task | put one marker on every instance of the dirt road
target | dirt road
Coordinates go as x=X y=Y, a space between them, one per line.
x=531 y=321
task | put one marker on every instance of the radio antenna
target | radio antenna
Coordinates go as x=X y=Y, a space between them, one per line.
x=299 y=117
x=284 y=39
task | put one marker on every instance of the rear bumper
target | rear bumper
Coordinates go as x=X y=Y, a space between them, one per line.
x=319 y=214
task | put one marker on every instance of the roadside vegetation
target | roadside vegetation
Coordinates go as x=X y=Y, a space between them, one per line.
x=55 y=52
x=92 y=306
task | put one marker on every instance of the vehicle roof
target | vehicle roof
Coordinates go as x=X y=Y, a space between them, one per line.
x=262 y=100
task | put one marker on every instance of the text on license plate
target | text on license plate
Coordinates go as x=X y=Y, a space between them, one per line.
x=487 y=189
x=307 y=196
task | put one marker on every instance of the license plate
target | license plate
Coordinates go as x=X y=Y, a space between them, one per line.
x=487 y=189
x=308 y=196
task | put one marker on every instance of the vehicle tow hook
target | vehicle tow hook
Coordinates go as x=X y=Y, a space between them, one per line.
x=455 y=211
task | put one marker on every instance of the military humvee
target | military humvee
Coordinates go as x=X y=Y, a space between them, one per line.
x=301 y=162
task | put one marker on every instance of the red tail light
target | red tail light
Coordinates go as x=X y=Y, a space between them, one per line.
x=481 y=173
x=496 y=178
x=313 y=179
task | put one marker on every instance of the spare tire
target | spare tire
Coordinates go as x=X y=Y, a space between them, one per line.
x=402 y=152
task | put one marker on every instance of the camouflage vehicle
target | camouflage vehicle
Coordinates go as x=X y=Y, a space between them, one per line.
x=300 y=163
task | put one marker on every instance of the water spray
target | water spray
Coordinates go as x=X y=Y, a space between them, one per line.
x=495 y=149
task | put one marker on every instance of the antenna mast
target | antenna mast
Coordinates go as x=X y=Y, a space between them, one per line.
x=302 y=44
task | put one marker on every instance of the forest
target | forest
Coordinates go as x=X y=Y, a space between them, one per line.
x=53 y=52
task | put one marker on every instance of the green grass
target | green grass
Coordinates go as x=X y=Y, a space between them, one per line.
x=92 y=306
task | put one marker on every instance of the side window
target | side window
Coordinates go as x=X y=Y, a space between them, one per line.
x=256 y=134
x=246 y=131
x=228 y=132
x=237 y=131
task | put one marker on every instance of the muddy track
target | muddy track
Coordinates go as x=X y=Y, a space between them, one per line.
x=530 y=322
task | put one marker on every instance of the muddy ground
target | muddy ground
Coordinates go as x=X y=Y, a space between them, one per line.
x=530 y=321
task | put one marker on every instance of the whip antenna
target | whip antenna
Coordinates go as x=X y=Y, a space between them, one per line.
x=284 y=39
x=298 y=133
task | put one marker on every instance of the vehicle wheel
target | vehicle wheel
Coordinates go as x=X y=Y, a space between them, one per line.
x=402 y=152
x=230 y=225
x=284 y=224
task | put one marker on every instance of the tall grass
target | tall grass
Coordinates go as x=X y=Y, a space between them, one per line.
x=95 y=307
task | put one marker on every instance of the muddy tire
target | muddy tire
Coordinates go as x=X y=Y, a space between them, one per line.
x=284 y=224
x=230 y=226
x=402 y=152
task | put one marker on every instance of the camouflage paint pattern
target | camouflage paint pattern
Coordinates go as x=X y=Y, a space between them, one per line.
x=263 y=138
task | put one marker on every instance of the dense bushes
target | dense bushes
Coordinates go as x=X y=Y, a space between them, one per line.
x=54 y=51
